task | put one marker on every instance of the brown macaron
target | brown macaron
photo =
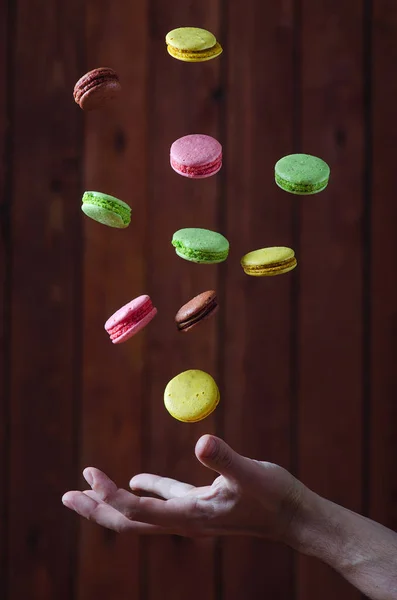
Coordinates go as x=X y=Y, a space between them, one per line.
x=196 y=310
x=96 y=88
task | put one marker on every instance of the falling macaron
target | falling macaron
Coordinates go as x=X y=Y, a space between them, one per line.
x=106 y=209
x=197 y=310
x=302 y=174
x=196 y=156
x=97 y=88
x=192 y=44
x=130 y=319
x=191 y=396
x=201 y=246
x=266 y=262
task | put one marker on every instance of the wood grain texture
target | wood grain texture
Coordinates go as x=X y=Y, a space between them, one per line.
x=45 y=299
x=5 y=257
x=331 y=255
x=183 y=99
x=383 y=293
x=256 y=344
x=114 y=274
x=292 y=355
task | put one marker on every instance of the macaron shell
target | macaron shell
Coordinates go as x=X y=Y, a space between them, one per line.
x=96 y=88
x=197 y=310
x=191 y=396
x=195 y=305
x=200 y=259
x=131 y=312
x=196 y=149
x=266 y=256
x=127 y=311
x=302 y=174
x=293 y=188
x=192 y=175
x=200 y=245
x=100 y=95
x=272 y=270
x=198 y=322
x=106 y=209
x=102 y=197
x=274 y=260
x=134 y=329
x=196 y=57
x=103 y=216
x=190 y=38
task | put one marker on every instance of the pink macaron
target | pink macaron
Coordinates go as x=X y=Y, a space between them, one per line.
x=196 y=156
x=130 y=319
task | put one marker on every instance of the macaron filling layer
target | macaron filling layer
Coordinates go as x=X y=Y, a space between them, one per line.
x=301 y=188
x=107 y=203
x=198 y=255
x=271 y=268
x=197 y=170
x=192 y=55
x=133 y=319
x=199 y=316
x=90 y=85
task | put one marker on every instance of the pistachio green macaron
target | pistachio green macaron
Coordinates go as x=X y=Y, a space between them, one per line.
x=106 y=209
x=200 y=245
x=302 y=174
x=275 y=260
x=191 y=396
x=192 y=44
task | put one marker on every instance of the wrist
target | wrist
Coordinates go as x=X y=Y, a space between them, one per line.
x=316 y=530
x=361 y=550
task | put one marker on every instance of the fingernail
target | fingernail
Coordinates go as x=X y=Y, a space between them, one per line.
x=88 y=477
x=65 y=501
x=211 y=447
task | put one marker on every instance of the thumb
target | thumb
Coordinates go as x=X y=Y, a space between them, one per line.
x=215 y=454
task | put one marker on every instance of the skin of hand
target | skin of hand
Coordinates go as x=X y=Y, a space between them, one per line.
x=248 y=497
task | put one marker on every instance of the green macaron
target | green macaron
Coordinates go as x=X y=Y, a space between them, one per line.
x=106 y=209
x=302 y=174
x=200 y=245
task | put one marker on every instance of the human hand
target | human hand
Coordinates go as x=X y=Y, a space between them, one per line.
x=247 y=498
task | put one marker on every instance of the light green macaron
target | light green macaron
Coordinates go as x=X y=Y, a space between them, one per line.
x=192 y=44
x=302 y=174
x=275 y=260
x=106 y=209
x=200 y=245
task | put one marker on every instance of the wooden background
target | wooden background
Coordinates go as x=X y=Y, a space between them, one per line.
x=306 y=363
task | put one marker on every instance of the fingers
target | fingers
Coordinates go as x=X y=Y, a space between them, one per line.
x=161 y=486
x=215 y=454
x=173 y=514
x=84 y=504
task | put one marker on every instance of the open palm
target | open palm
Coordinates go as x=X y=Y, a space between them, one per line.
x=248 y=497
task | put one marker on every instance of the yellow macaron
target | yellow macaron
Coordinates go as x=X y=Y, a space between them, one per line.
x=191 y=396
x=269 y=261
x=192 y=44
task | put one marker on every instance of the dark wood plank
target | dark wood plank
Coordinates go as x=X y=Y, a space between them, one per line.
x=114 y=273
x=331 y=255
x=258 y=324
x=183 y=99
x=383 y=442
x=4 y=275
x=46 y=298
